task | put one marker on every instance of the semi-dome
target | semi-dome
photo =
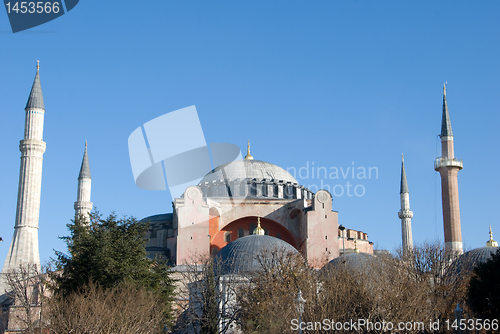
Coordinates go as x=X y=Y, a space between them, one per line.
x=248 y=170
x=241 y=255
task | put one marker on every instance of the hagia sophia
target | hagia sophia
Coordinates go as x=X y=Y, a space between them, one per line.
x=236 y=209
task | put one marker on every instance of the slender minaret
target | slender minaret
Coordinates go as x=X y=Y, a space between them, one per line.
x=83 y=206
x=405 y=214
x=448 y=167
x=24 y=247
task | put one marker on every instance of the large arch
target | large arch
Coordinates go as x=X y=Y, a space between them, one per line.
x=232 y=231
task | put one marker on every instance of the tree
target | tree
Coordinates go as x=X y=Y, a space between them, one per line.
x=120 y=309
x=211 y=308
x=26 y=287
x=484 y=288
x=110 y=252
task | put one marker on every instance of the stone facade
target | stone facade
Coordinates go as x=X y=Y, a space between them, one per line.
x=225 y=206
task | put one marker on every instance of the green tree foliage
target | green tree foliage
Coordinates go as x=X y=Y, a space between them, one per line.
x=484 y=288
x=110 y=252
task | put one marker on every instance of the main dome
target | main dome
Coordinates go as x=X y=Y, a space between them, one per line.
x=248 y=170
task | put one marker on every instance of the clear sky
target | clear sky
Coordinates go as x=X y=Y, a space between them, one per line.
x=334 y=83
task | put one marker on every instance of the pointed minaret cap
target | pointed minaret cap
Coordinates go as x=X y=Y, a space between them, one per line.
x=259 y=230
x=491 y=242
x=248 y=156
x=445 y=123
x=36 y=98
x=404 y=184
x=85 y=169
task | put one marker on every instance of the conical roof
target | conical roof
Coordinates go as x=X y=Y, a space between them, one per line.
x=85 y=169
x=36 y=98
x=404 y=184
x=445 y=123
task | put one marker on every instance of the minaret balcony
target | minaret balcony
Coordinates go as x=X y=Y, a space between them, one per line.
x=445 y=162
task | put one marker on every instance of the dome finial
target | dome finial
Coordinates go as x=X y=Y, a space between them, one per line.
x=444 y=89
x=259 y=230
x=491 y=242
x=37 y=65
x=248 y=156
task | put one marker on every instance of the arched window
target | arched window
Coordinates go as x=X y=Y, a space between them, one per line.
x=241 y=233
x=275 y=191
x=227 y=237
x=278 y=235
x=253 y=190
x=264 y=190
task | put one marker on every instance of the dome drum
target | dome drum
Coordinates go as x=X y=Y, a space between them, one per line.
x=264 y=188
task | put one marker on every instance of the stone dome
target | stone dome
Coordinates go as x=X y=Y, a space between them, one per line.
x=248 y=170
x=352 y=261
x=240 y=256
x=469 y=260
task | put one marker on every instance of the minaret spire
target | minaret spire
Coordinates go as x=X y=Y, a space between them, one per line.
x=445 y=123
x=83 y=206
x=259 y=230
x=24 y=246
x=405 y=214
x=491 y=242
x=448 y=166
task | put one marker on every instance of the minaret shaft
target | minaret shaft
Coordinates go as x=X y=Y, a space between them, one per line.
x=24 y=246
x=451 y=209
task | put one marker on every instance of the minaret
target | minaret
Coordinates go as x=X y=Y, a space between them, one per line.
x=24 y=247
x=448 y=166
x=83 y=206
x=405 y=214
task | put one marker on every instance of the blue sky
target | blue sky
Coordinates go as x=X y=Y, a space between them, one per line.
x=329 y=82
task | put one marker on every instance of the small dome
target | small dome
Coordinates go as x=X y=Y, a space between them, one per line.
x=469 y=260
x=240 y=256
x=248 y=169
x=352 y=261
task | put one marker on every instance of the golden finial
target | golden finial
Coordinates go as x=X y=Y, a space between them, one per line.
x=444 y=89
x=259 y=230
x=356 y=250
x=491 y=242
x=402 y=158
x=85 y=144
x=37 y=65
x=248 y=156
